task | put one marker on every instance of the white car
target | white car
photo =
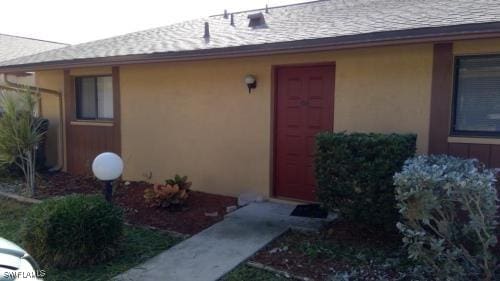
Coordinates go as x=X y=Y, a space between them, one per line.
x=16 y=264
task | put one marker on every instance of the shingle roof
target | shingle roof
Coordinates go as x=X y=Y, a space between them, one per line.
x=12 y=47
x=326 y=21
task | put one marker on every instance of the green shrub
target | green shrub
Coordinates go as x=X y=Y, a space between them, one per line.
x=448 y=207
x=73 y=231
x=172 y=195
x=20 y=134
x=354 y=174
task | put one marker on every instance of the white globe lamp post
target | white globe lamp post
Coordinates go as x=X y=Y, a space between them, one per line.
x=107 y=167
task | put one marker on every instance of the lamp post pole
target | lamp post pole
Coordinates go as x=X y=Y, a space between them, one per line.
x=107 y=167
x=108 y=191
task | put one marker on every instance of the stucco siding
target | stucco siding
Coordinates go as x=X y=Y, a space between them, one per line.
x=201 y=122
x=197 y=118
x=385 y=90
x=477 y=47
x=22 y=79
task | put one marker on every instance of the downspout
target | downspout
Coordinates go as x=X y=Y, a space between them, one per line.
x=35 y=90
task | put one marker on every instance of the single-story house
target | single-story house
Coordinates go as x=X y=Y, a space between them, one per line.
x=235 y=100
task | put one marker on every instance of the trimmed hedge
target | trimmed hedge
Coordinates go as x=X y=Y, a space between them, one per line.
x=73 y=231
x=354 y=174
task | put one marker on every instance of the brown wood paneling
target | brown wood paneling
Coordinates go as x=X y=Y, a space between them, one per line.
x=459 y=150
x=480 y=152
x=495 y=156
x=84 y=144
x=117 y=137
x=440 y=118
x=86 y=139
x=488 y=154
x=441 y=95
x=68 y=98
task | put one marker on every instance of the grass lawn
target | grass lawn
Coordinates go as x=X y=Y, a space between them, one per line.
x=140 y=244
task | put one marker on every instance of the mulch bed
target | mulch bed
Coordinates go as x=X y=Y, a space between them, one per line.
x=60 y=184
x=129 y=195
x=341 y=248
x=307 y=254
x=190 y=221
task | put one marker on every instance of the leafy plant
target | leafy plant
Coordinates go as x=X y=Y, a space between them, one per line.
x=173 y=194
x=73 y=231
x=354 y=174
x=449 y=208
x=182 y=182
x=20 y=134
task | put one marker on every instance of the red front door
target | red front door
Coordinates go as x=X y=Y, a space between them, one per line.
x=304 y=108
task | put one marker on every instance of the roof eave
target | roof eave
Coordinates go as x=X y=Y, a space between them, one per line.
x=421 y=35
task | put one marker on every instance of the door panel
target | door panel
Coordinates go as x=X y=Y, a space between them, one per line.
x=85 y=142
x=304 y=108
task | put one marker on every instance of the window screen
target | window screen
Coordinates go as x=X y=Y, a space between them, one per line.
x=477 y=95
x=94 y=98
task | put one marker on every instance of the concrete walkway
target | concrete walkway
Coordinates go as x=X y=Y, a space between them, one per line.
x=210 y=254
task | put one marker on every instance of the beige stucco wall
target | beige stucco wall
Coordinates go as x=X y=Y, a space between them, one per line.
x=91 y=71
x=27 y=79
x=197 y=118
x=477 y=47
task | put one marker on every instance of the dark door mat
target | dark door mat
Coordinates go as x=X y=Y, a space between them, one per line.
x=309 y=211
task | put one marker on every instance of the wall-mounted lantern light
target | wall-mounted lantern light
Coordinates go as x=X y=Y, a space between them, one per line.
x=107 y=167
x=251 y=82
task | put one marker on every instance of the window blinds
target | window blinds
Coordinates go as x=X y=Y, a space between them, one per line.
x=477 y=100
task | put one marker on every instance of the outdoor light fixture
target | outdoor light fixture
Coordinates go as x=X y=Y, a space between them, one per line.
x=107 y=167
x=251 y=82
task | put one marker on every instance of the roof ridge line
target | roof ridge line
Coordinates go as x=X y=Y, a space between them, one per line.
x=34 y=39
x=136 y=31
x=272 y=7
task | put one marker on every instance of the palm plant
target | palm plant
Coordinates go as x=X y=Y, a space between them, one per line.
x=20 y=134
